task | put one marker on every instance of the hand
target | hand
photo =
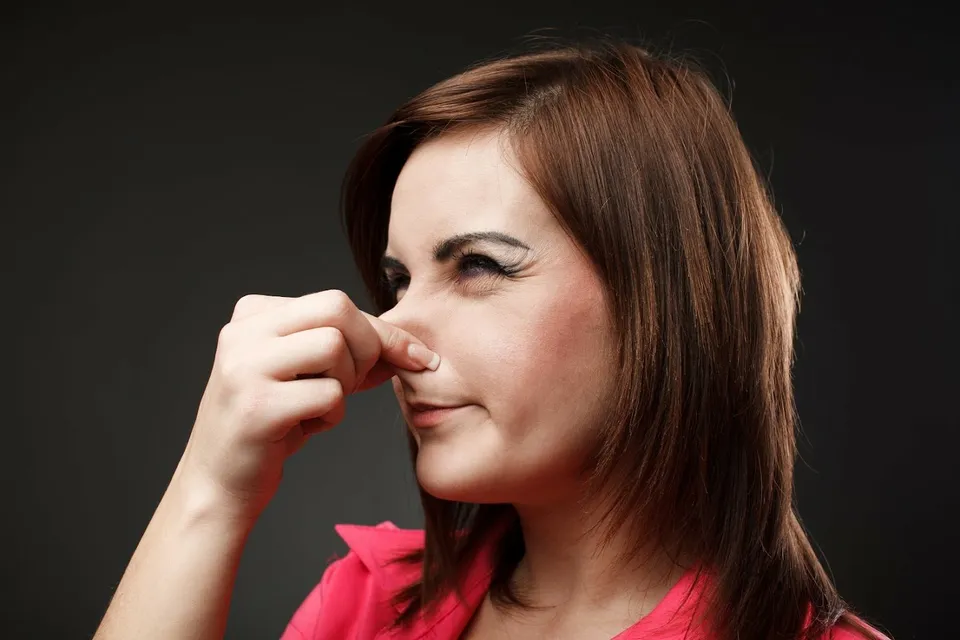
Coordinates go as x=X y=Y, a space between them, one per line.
x=282 y=369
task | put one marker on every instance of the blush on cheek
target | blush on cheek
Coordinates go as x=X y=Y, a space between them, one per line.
x=577 y=322
x=560 y=352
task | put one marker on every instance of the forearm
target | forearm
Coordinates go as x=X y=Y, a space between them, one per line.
x=180 y=579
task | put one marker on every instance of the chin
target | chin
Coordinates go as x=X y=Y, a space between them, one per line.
x=449 y=480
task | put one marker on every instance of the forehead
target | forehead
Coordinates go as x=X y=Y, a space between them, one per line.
x=459 y=183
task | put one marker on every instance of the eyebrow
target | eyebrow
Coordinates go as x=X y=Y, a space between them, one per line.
x=443 y=249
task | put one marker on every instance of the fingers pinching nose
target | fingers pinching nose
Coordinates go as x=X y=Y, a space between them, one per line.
x=423 y=356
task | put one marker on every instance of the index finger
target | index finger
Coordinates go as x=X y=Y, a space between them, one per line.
x=368 y=338
x=400 y=347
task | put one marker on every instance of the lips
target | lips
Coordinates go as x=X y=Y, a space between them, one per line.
x=430 y=406
x=429 y=415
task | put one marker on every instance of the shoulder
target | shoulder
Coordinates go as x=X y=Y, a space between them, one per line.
x=352 y=597
x=854 y=628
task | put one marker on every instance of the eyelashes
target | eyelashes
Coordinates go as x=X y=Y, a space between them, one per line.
x=470 y=267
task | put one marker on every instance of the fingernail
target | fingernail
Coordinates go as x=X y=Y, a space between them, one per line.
x=424 y=356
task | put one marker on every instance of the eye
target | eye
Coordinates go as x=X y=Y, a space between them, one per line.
x=469 y=266
x=393 y=282
x=474 y=264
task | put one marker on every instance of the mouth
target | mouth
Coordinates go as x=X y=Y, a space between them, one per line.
x=425 y=415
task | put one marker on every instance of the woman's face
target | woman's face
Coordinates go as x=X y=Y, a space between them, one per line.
x=520 y=325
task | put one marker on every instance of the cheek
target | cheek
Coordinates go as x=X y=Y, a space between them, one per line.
x=545 y=361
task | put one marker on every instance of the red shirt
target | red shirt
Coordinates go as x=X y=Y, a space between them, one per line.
x=352 y=599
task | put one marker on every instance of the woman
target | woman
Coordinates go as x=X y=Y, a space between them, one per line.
x=587 y=313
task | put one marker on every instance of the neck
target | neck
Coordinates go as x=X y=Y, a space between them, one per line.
x=564 y=565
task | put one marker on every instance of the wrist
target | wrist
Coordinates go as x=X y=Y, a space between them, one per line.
x=201 y=501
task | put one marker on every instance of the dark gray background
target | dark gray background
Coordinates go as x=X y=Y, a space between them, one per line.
x=161 y=163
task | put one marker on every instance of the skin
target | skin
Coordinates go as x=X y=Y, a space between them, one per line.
x=530 y=353
x=256 y=410
x=526 y=350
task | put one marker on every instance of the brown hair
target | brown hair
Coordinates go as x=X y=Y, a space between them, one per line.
x=639 y=159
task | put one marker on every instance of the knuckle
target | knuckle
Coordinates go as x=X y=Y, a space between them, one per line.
x=245 y=304
x=338 y=303
x=234 y=371
x=226 y=335
x=334 y=392
x=392 y=340
x=333 y=341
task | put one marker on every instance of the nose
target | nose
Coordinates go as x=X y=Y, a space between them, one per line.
x=417 y=314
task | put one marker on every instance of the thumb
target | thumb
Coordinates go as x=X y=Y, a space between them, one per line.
x=378 y=374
